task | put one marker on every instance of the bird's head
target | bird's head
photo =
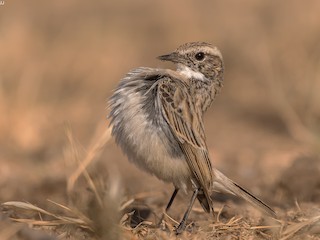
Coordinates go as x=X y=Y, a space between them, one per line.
x=197 y=60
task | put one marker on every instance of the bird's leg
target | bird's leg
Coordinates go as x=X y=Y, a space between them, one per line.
x=182 y=225
x=174 y=194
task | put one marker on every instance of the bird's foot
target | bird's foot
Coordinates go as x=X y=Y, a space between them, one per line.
x=181 y=227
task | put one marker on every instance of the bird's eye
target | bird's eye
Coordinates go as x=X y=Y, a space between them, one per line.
x=199 y=56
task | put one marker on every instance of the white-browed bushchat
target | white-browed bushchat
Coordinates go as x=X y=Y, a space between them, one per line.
x=157 y=120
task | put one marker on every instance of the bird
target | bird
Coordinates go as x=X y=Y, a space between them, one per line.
x=157 y=120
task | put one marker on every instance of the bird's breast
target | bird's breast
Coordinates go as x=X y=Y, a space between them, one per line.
x=145 y=137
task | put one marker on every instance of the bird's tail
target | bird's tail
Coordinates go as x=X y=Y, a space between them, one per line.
x=223 y=183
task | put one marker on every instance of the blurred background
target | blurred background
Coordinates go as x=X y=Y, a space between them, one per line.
x=60 y=61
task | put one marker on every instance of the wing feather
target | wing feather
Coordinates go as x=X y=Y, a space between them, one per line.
x=187 y=125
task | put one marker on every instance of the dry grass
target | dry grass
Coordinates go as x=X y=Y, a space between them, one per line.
x=73 y=223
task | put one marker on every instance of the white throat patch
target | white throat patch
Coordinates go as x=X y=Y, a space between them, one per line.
x=189 y=73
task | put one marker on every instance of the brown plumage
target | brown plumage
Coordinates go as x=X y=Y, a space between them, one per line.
x=157 y=119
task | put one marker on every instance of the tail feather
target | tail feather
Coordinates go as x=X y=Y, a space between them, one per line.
x=223 y=183
x=204 y=201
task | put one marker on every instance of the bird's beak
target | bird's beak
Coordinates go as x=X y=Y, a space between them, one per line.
x=172 y=57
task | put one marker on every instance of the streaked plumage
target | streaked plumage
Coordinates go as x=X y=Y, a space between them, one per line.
x=157 y=119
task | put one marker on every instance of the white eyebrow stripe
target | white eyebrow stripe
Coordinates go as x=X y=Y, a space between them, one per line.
x=189 y=73
x=212 y=50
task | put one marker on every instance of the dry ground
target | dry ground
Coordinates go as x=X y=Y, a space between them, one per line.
x=62 y=177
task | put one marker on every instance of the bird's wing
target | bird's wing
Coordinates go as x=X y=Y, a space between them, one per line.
x=187 y=126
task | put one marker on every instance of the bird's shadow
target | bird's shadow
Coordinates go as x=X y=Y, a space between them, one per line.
x=138 y=214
